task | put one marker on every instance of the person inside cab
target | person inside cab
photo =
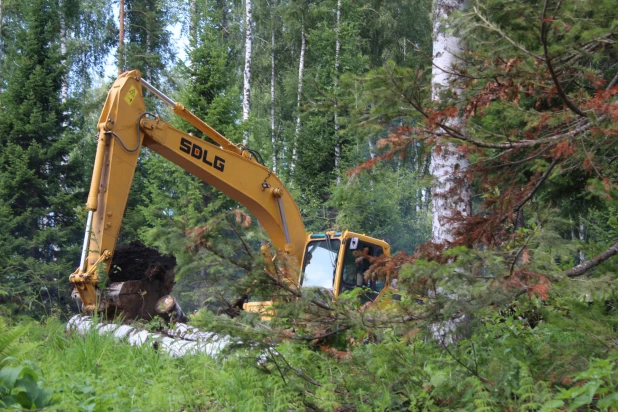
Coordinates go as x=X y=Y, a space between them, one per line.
x=362 y=264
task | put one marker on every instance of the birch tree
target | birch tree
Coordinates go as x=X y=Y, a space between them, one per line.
x=335 y=89
x=246 y=96
x=273 y=134
x=301 y=69
x=121 y=37
x=64 y=92
x=450 y=191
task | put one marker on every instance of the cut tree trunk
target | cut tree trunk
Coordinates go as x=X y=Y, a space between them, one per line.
x=168 y=308
x=138 y=278
x=582 y=238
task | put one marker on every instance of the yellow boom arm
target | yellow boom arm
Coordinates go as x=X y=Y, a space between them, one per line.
x=123 y=129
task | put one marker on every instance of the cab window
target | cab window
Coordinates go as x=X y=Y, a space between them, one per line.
x=320 y=262
x=356 y=262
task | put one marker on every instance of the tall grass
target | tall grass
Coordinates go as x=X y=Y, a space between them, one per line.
x=99 y=373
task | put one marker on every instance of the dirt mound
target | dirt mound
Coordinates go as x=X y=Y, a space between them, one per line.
x=135 y=261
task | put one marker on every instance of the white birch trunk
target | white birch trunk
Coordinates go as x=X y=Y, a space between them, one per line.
x=450 y=191
x=335 y=90
x=121 y=37
x=372 y=148
x=301 y=69
x=582 y=238
x=273 y=135
x=193 y=24
x=64 y=88
x=246 y=100
x=148 y=52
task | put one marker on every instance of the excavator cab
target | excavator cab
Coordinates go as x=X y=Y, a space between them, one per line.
x=337 y=262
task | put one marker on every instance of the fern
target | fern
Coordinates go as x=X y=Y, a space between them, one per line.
x=9 y=340
x=527 y=390
x=482 y=400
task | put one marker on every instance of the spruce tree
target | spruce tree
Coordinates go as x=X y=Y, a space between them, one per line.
x=38 y=186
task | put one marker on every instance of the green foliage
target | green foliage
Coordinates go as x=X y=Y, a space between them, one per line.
x=599 y=386
x=40 y=184
x=19 y=384
x=386 y=204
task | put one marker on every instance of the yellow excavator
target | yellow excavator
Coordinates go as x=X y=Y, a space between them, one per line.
x=326 y=260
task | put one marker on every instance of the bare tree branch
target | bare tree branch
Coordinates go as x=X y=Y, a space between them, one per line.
x=613 y=82
x=584 y=267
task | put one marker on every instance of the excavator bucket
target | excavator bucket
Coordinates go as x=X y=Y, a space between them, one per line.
x=139 y=277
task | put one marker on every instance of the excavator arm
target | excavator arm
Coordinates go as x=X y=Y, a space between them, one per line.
x=123 y=129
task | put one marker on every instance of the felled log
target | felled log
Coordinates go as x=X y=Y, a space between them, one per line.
x=180 y=341
x=168 y=308
x=139 y=276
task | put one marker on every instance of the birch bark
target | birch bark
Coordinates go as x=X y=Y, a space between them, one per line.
x=335 y=90
x=450 y=191
x=372 y=148
x=64 y=88
x=273 y=135
x=121 y=37
x=301 y=69
x=193 y=24
x=582 y=238
x=246 y=101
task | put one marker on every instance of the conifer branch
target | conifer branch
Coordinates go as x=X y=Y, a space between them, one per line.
x=585 y=266
x=511 y=145
x=472 y=372
x=492 y=27
x=519 y=252
x=536 y=187
x=240 y=238
x=527 y=159
x=544 y=30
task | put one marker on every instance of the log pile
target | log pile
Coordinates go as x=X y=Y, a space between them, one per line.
x=179 y=341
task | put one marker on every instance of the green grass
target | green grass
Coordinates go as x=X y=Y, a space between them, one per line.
x=503 y=365
x=99 y=373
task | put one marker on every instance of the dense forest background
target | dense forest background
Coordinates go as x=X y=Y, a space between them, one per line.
x=476 y=137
